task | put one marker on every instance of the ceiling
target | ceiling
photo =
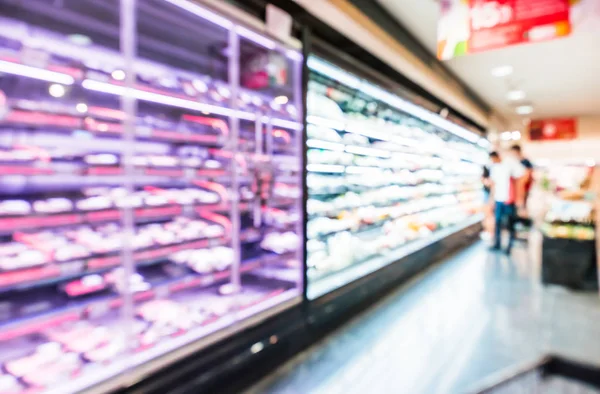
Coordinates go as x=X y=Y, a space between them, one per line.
x=559 y=77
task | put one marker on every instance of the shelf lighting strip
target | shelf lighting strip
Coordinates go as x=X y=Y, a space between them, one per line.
x=143 y=95
x=283 y=123
x=202 y=13
x=355 y=129
x=332 y=168
x=35 y=73
x=116 y=90
x=347 y=79
x=320 y=144
x=357 y=150
x=340 y=126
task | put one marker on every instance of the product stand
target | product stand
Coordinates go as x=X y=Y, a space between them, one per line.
x=570 y=263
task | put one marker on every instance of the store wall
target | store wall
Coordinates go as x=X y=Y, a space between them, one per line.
x=585 y=147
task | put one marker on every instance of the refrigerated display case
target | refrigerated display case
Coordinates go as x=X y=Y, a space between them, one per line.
x=385 y=177
x=150 y=187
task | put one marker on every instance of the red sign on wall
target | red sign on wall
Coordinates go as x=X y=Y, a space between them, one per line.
x=553 y=129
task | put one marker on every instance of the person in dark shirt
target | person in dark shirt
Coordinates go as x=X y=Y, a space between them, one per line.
x=485 y=178
x=488 y=221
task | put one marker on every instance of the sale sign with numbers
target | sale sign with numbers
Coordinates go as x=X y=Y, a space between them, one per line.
x=471 y=26
x=500 y=23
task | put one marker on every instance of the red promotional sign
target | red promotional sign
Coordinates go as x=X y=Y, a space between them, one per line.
x=500 y=23
x=553 y=129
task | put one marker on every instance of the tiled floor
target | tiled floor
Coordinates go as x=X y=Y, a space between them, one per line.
x=466 y=319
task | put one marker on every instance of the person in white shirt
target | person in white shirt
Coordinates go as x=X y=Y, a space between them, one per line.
x=507 y=176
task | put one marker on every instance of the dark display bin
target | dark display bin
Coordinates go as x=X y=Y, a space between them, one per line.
x=570 y=263
x=551 y=374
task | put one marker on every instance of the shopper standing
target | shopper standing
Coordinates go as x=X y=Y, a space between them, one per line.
x=528 y=181
x=507 y=177
x=488 y=221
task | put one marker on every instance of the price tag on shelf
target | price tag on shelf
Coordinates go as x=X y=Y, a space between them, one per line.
x=188 y=210
x=279 y=22
x=98 y=309
x=73 y=267
x=214 y=242
x=35 y=57
x=189 y=173
x=208 y=280
x=36 y=307
x=143 y=131
x=3 y=105
x=162 y=292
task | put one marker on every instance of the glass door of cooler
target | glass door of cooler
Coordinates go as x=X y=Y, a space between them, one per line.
x=383 y=179
x=130 y=232
x=270 y=183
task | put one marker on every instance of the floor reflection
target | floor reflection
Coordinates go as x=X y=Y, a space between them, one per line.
x=473 y=315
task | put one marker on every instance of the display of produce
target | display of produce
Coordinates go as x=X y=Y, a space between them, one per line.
x=570 y=219
x=382 y=174
x=128 y=233
x=569 y=195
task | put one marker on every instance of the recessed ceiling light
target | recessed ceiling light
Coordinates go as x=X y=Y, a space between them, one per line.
x=524 y=109
x=502 y=71
x=515 y=95
x=506 y=136
x=516 y=135
x=57 y=90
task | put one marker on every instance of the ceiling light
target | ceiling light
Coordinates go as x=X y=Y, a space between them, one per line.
x=281 y=100
x=502 y=71
x=57 y=90
x=516 y=135
x=524 y=109
x=118 y=75
x=515 y=95
x=506 y=136
x=81 y=108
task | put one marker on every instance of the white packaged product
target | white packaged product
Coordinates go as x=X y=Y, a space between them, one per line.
x=15 y=207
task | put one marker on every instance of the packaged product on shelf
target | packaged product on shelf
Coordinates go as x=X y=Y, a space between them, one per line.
x=378 y=179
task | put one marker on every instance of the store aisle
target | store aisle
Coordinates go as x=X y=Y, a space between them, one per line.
x=471 y=316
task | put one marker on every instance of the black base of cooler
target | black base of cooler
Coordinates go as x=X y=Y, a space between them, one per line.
x=231 y=366
x=570 y=263
x=551 y=374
